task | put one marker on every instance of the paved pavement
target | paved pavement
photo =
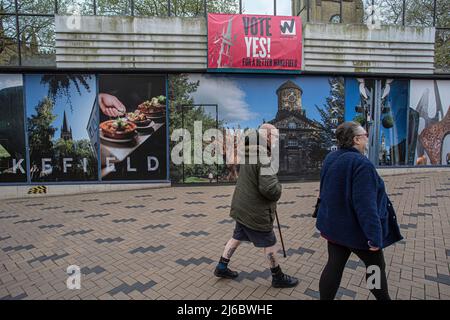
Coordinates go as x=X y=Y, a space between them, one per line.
x=164 y=244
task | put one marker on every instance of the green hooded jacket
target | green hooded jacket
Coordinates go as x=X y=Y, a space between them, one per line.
x=255 y=198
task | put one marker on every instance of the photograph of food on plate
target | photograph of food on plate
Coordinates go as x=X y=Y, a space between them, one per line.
x=154 y=109
x=133 y=133
x=139 y=119
x=119 y=130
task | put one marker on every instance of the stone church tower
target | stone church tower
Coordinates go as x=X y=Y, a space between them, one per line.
x=328 y=11
x=298 y=134
x=66 y=130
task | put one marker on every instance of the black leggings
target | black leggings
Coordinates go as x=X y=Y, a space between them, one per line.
x=337 y=259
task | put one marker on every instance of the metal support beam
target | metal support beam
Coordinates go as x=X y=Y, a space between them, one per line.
x=308 y=7
x=403 y=13
x=19 y=49
x=434 y=13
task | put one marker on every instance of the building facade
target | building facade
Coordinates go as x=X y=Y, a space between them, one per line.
x=58 y=124
x=330 y=11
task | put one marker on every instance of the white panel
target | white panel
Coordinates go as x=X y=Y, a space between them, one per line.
x=355 y=48
x=132 y=42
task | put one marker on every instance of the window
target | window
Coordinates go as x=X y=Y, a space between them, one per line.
x=292 y=125
x=30 y=39
x=292 y=143
x=335 y=19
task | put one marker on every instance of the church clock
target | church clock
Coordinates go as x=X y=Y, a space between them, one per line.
x=289 y=96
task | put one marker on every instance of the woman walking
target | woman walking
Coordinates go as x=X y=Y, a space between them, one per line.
x=355 y=213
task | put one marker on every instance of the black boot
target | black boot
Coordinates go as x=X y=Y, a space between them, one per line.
x=222 y=270
x=225 y=273
x=282 y=280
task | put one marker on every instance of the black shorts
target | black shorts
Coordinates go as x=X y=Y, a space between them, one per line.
x=260 y=239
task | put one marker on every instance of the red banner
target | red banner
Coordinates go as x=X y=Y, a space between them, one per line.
x=254 y=42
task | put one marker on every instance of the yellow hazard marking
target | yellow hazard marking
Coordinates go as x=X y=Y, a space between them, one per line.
x=37 y=189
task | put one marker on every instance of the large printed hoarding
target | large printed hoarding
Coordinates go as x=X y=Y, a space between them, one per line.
x=254 y=42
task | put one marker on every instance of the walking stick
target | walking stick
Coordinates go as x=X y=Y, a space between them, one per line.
x=281 y=237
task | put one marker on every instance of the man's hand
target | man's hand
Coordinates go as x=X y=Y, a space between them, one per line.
x=110 y=105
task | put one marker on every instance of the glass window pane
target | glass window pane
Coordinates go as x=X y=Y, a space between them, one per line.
x=187 y=8
x=284 y=8
x=8 y=41
x=225 y=6
x=82 y=7
x=329 y=11
x=393 y=123
x=195 y=173
x=12 y=131
x=428 y=111
x=442 y=51
x=382 y=12
x=150 y=8
x=37 y=41
x=443 y=14
x=419 y=13
x=257 y=7
x=36 y=6
x=387 y=12
x=113 y=7
x=7 y=6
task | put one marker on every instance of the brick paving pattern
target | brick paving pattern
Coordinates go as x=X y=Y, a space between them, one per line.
x=164 y=244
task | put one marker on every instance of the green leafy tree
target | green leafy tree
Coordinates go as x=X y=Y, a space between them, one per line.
x=182 y=105
x=420 y=13
x=41 y=132
x=77 y=150
x=183 y=8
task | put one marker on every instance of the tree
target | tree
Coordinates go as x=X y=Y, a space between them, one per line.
x=333 y=109
x=113 y=7
x=59 y=84
x=420 y=13
x=77 y=151
x=184 y=8
x=180 y=94
x=180 y=90
x=41 y=132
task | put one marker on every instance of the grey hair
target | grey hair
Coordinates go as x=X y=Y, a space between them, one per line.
x=345 y=133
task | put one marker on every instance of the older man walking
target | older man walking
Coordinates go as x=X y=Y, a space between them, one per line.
x=253 y=208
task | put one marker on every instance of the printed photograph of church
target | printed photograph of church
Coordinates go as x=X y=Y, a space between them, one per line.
x=305 y=110
x=58 y=108
x=304 y=140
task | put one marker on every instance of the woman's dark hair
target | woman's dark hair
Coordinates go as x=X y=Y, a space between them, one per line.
x=345 y=133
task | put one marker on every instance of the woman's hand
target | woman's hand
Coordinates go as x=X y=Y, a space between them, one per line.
x=371 y=247
x=110 y=105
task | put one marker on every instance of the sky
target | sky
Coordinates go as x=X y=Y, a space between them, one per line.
x=10 y=80
x=248 y=99
x=82 y=105
x=351 y=98
x=266 y=7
